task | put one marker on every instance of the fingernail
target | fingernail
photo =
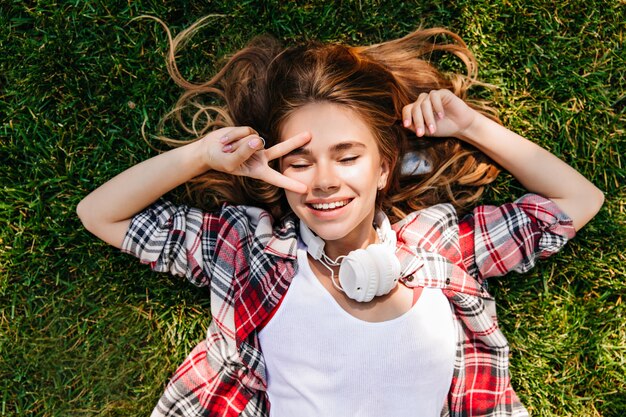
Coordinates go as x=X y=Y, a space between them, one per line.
x=431 y=128
x=440 y=115
x=420 y=131
x=223 y=138
x=227 y=148
x=407 y=123
x=254 y=143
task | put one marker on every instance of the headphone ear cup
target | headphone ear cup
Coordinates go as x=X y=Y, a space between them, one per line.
x=387 y=265
x=359 y=276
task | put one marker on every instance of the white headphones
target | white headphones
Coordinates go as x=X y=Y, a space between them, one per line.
x=363 y=273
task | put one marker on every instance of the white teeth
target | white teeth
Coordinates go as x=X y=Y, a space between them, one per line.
x=327 y=206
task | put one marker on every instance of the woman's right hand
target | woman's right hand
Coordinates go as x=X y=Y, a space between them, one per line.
x=240 y=151
x=106 y=211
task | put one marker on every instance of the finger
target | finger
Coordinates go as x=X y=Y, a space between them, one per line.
x=406 y=116
x=232 y=145
x=273 y=177
x=247 y=146
x=416 y=113
x=429 y=116
x=288 y=145
x=236 y=133
x=232 y=139
x=435 y=100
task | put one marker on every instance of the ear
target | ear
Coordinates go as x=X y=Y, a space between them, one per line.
x=384 y=175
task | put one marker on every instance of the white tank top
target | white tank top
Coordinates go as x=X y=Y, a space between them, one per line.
x=322 y=361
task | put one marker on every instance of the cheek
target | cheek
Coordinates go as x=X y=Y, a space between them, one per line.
x=303 y=176
x=291 y=198
x=358 y=171
x=366 y=176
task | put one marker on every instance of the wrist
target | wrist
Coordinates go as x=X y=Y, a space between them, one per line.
x=198 y=156
x=477 y=129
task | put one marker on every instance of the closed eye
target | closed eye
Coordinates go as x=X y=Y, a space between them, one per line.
x=349 y=159
x=299 y=165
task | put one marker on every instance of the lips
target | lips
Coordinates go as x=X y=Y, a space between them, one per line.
x=329 y=206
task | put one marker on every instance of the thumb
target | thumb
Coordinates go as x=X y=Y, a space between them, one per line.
x=242 y=160
x=249 y=145
x=256 y=143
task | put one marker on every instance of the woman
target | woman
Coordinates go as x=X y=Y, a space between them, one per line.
x=319 y=306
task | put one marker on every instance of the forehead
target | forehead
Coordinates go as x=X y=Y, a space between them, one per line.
x=329 y=123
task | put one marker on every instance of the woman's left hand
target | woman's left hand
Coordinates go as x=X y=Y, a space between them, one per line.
x=438 y=113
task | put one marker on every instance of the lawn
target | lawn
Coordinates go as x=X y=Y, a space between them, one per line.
x=86 y=330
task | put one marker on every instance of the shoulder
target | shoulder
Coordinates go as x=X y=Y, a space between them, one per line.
x=431 y=223
x=257 y=228
x=257 y=222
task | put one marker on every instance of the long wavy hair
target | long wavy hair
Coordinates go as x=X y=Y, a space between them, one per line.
x=264 y=83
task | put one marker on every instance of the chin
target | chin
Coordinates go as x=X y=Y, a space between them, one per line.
x=329 y=235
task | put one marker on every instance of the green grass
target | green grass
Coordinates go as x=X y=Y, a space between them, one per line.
x=85 y=330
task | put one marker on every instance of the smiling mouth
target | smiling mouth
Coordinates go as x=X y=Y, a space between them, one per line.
x=329 y=206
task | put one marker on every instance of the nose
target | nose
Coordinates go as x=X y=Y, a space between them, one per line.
x=326 y=178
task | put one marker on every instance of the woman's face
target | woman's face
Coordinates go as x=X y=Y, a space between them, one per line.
x=342 y=169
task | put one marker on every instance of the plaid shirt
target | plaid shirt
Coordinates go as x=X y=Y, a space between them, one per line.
x=248 y=265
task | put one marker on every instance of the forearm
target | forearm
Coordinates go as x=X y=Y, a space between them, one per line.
x=106 y=212
x=536 y=169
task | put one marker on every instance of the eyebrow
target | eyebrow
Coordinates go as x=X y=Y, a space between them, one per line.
x=339 y=147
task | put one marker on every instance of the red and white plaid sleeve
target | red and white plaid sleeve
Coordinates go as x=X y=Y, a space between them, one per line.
x=174 y=239
x=512 y=237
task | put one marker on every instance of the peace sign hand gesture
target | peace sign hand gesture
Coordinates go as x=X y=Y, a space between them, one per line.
x=240 y=151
